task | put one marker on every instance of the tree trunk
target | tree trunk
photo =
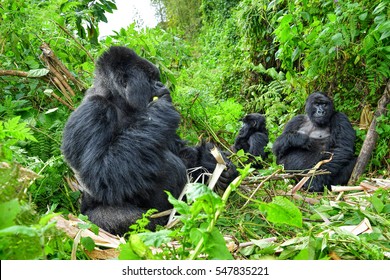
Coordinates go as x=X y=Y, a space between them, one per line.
x=371 y=138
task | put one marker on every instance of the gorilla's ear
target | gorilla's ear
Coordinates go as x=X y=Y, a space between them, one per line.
x=259 y=121
x=255 y=124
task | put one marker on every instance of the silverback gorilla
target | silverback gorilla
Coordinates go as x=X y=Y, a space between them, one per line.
x=123 y=146
x=306 y=139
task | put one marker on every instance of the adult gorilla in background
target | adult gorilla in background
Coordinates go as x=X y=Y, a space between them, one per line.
x=252 y=137
x=306 y=139
x=122 y=144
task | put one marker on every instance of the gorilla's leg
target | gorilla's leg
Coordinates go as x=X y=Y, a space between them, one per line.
x=116 y=219
x=343 y=176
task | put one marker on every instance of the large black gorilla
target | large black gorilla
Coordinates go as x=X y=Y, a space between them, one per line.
x=123 y=146
x=306 y=139
x=252 y=137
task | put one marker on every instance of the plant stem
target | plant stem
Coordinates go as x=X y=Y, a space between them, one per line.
x=232 y=186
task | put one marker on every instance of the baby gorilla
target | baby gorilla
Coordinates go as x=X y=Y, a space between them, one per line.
x=123 y=146
x=307 y=138
x=252 y=137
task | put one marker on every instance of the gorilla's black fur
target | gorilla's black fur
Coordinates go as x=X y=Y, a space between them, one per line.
x=306 y=139
x=253 y=136
x=122 y=143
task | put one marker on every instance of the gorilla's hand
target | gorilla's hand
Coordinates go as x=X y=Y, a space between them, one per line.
x=167 y=97
x=160 y=89
x=161 y=102
x=227 y=176
x=244 y=131
x=300 y=140
x=316 y=184
x=290 y=140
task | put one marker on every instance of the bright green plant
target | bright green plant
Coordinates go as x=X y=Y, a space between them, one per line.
x=11 y=132
x=282 y=211
x=85 y=15
x=23 y=233
x=198 y=232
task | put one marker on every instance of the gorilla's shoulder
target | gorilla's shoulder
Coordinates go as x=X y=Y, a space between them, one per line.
x=339 y=117
x=300 y=117
x=340 y=122
x=295 y=122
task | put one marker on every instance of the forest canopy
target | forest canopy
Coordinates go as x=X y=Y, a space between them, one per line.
x=221 y=60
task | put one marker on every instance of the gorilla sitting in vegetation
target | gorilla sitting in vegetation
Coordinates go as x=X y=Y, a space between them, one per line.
x=123 y=146
x=307 y=138
x=252 y=137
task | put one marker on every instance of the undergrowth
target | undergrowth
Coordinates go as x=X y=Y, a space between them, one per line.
x=271 y=224
x=247 y=56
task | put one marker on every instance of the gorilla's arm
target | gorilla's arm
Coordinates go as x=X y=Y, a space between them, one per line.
x=200 y=156
x=290 y=138
x=342 y=142
x=241 y=142
x=93 y=119
x=257 y=142
x=100 y=151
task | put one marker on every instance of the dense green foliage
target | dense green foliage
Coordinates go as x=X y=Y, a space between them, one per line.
x=220 y=59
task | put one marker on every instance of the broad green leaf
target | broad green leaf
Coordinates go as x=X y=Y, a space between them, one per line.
x=135 y=249
x=265 y=247
x=295 y=241
x=286 y=19
x=196 y=234
x=127 y=253
x=296 y=53
x=282 y=211
x=332 y=17
x=180 y=206
x=83 y=225
x=46 y=218
x=337 y=39
x=203 y=198
x=302 y=255
x=8 y=212
x=157 y=238
x=19 y=230
x=377 y=203
x=36 y=73
x=139 y=246
x=94 y=228
x=216 y=248
x=380 y=7
x=88 y=243
x=196 y=190
x=385 y=35
x=363 y=16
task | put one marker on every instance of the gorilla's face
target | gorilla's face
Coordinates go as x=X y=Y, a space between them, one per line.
x=133 y=78
x=254 y=121
x=319 y=108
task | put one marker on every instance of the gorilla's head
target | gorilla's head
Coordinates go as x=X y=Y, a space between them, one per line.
x=120 y=71
x=253 y=122
x=319 y=108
